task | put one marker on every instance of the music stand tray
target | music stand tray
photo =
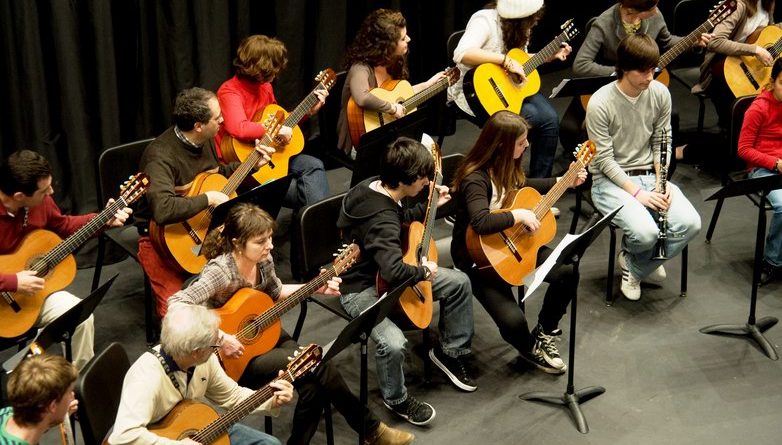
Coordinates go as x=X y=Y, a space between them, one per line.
x=268 y=196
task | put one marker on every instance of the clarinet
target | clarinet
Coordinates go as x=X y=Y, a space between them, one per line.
x=662 y=215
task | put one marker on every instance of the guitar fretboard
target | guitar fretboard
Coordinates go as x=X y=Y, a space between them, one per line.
x=546 y=53
x=427 y=93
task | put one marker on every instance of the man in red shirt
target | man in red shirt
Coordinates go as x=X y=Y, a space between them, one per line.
x=27 y=205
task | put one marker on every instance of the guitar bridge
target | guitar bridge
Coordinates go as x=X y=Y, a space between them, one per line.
x=749 y=75
x=419 y=294
x=9 y=299
x=498 y=93
x=511 y=246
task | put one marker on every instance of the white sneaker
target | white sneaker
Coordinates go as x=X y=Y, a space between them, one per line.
x=631 y=286
x=657 y=276
x=555 y=212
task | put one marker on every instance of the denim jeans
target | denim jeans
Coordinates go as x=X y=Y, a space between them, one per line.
x=244 y=435
x=309 y=183
x=639 y=224
x=543 y=134
x=452 y=289
x=773 y=252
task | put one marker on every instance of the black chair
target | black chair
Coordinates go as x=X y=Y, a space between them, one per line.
x=328 y=117
x=99 y=389
x=740 y=106
x=449 y=112
x=115 y=165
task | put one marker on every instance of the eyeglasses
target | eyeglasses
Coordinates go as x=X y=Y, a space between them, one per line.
x=219 y=342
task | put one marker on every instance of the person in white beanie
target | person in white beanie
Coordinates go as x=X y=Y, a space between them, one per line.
x=489 y=35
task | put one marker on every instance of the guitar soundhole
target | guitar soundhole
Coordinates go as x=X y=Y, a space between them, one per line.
x=250 y=331
x=187 y=434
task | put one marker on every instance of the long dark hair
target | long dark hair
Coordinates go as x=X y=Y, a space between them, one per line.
x=244 y=221
x=752 y=8
x=376 y=41
x=516 y=32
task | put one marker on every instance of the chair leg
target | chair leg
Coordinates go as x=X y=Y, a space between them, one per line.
x=300 y=321
x=713 y=222
x=98 y=262
x=329 y=424
x=611 y=260
x=685 y=252
x=576 y=213
x=150 y=317
x=427 y=363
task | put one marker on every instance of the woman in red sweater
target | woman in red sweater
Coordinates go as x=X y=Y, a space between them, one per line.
x=760 y=145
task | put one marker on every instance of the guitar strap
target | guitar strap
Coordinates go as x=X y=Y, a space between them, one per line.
x=168 y=367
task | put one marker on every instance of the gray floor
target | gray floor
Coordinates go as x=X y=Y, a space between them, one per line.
x=665 y=382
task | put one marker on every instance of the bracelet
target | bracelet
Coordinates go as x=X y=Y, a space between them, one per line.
x=637 y=192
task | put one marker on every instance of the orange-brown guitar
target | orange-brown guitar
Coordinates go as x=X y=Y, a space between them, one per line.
x=180 y=243
x=201 y=423
x=254 y=318
x=417 y=242
x=512 y=253
x=50 y=257
x=236 y=150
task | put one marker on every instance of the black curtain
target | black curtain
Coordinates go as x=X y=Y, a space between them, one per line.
x=83 y=75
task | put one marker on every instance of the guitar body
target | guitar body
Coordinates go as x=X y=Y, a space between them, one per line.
x=417 y=310
x=238 y=312
x=236 y=150
x=489 y=88
x=362 y=121
x=490 y=252
x=746 y=75
x=663 y=77
x=180 y=243
x=186 y=419
x=35 y=245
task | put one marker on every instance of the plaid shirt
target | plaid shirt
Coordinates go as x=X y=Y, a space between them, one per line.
x=220 y=279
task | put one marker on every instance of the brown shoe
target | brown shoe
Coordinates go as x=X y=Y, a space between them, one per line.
x=385 y=435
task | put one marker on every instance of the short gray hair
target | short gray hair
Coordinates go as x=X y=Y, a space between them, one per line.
x=187 y=328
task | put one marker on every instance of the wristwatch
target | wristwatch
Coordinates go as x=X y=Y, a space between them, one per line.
x=427 y=273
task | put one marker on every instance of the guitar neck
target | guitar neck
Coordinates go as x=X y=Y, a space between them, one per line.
x=684 y=44
x=305 y=106
x=775 y=49
x=547 y=52
x=220 y=426
x=553 y=195
x=431 y=214
x=425 y=94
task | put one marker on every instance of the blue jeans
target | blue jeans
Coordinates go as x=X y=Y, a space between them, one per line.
x=639 y=224
x=244 y=435
x=543 y=135
x=452 y=289
x=773 y=253
x=309 y=184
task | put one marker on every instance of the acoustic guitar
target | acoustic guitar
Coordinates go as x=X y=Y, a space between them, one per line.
x=415 y=302
x=254 y=318
x=746 y=75
x=720 y=12
x=236 y=150
x=201 y=423
x=50 y=257
x=180 y=243
x=361 y=121
x=512 y=253
x=489 y=88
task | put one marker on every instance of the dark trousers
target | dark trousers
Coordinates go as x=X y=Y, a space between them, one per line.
x=315 y=389
x=497 y=298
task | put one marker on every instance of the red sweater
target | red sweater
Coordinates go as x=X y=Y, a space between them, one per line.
x=760 y=141
x=240 y=100
x=45 y=216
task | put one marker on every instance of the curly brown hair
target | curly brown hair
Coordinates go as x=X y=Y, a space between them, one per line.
x=260 y=58
x=376 y=42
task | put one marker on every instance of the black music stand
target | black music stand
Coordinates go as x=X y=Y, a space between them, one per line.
x=580 y=86
x=753 y=328
x=268 y=196
x=358 y=331
x=572 y=399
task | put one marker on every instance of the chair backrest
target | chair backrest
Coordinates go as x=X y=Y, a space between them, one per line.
x=687 y=15
x=315 y=237
x=98 y=390
x=739 y=107
x=453 y=42
x=328 y=115
x=116 y=164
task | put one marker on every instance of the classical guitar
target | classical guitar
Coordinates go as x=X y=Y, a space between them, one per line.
x=180 y=243
x=512 y=253
x=236 y=150
x=201 y=423
x=489 y=88
x=720 y=12
x=50 y=257
x=417 y=242
x=745 y=75
x=254 y=318
x=362 y=121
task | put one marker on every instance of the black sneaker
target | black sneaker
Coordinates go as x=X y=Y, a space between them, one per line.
x=415 y=412
x=547 y=344
x=536 y=359
x=769 y=273
x=454 y=369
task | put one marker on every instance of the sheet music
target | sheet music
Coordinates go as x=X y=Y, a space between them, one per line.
x=536 y=277
x=555 y=91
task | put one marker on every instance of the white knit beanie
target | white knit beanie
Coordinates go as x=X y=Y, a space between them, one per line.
x=517 y=9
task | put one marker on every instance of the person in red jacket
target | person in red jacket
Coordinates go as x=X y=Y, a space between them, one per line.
x=259 y=60
x=27 y=205
x=760 y=145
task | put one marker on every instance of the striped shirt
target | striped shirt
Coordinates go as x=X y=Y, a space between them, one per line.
x=5 y=437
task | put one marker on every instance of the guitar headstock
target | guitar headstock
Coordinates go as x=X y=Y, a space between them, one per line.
x=569 y=30
x=434 y=149
x=326 y=78
x=134 y=187
x=305 y=360
x=721 y=11
x=346 y=257
x=273 y=123
x=452 y=74
x=585 y=152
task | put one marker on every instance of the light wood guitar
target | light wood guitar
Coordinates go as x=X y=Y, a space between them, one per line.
x=201 y=423
x=236 y=150
x=489 y=88
x=415 y=302
x=720 y=12
x=361 y=121
x=254 y=318
x=180 y=243
x=50 y=257
x=746 y=75
x=512 y=253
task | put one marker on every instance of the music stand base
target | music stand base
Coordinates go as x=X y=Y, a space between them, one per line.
x=572 y=401
x=753 y=331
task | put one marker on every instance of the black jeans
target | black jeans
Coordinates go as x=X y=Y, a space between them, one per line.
x=497 y=298
x=315 y=389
